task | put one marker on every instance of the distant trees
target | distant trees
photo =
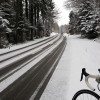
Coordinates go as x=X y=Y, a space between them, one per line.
x=28 y=19
x=85 y=17
x=63 y=28
x=55 y=27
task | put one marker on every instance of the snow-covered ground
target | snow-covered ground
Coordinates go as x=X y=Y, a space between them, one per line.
x=20 y=45
x=79 y=53
x=65 y=81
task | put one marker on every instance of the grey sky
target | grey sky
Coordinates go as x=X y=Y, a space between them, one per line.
x=64 y=13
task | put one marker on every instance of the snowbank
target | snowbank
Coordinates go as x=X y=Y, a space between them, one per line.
x=20 y=45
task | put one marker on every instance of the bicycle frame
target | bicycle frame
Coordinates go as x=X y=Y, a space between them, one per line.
x=86 y=94
x=87 y=76
x=91 y=76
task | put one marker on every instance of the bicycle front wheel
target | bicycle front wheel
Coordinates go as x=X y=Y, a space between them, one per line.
x=86 y=95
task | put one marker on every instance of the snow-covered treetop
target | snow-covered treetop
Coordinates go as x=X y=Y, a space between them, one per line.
x=3 y=25
x=4 y=21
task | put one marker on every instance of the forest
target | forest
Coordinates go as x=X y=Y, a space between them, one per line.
x=25 y=20
x=84 y=17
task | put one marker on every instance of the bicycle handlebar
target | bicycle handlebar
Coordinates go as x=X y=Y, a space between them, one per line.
x=83 y=73
x=87 y=76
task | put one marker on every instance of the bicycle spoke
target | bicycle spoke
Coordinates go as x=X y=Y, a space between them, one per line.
x=86 y=97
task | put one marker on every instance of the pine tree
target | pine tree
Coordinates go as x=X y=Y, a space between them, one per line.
x=73 y=29
x=7 y=12
x=3 y=30
x=87 y=20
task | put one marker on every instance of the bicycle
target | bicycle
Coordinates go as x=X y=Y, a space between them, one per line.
x=86 y=94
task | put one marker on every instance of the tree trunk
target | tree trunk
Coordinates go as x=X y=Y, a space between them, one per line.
x=21 y=16
x=22 y=36
x=35 y=18
x=38 y=33
x=31 y=19
x=26 y=9
x=17 y=14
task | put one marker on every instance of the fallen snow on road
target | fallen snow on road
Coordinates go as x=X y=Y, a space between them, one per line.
x=79 y=53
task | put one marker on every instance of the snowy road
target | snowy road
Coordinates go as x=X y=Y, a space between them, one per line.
x=65 y=80
x=16 y=63
x=25 y=51
x=6 y=88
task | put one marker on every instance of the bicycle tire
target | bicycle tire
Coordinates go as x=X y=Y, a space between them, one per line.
x=86 y=93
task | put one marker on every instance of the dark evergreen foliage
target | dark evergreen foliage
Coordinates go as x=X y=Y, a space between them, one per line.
x=24 y=17
x=85 y=19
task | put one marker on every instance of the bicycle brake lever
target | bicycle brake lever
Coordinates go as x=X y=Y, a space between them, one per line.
x=83 y=73
x=81 y=77
x=99 y=70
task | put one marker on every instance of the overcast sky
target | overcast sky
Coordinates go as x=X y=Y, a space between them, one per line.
x=64 y=15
